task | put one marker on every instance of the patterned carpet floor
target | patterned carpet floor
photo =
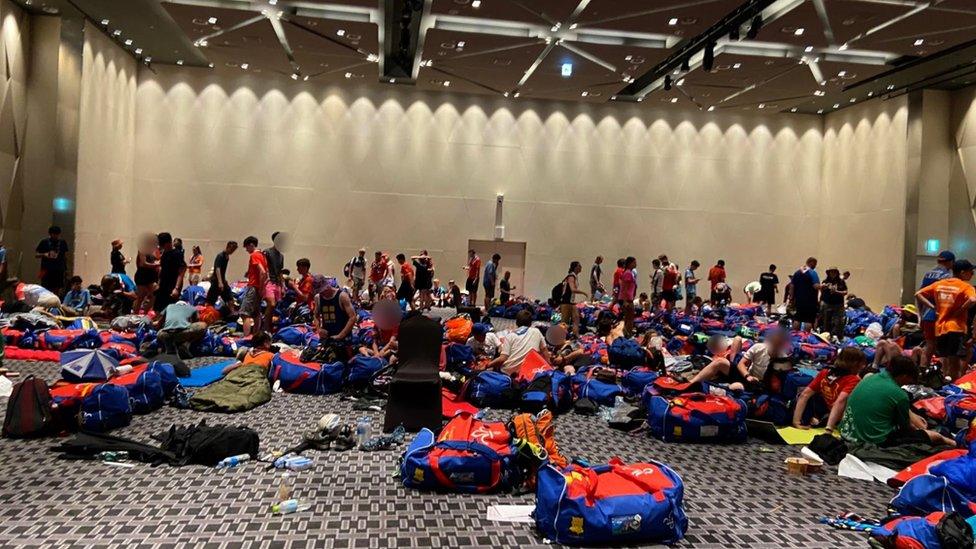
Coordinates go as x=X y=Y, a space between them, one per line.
x=736 y=496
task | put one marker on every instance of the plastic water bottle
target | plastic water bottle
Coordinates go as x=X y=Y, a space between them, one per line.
x=286 y=486
x=293 y=463
x=290 y=506
x=233 y=461
x=363 y=428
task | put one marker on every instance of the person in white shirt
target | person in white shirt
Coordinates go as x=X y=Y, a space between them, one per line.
x=484 y=342
x=751 y=369
x=518 y=344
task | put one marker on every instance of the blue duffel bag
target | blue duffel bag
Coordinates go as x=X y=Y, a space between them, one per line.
x=697 y=417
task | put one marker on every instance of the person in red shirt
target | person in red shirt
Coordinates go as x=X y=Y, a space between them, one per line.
x=407 y=275
x=377 y=272
x=304 y=287
x=834 y=385
x=716 y=275
x=257 y=278
x=474 y=273
x=616 y=277
x=626 y=294
x=669 y=286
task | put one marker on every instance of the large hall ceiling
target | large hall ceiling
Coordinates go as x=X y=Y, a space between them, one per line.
x=810 y=56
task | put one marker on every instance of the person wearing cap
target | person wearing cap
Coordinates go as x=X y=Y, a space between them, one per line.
x=942 y=271
x=833 y=294
x=951 y=298
x=117 y=258
x=484 y=342
x=335 y=316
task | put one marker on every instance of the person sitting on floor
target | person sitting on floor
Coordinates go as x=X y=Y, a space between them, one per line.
x=567 y=354
x=179 y=328
x=518 y=344
x=116 y=300
x=879 y=411
x=834 y=385
x=77 y=300
x=723 y=350
x=386 y=327
x=259 y=353
x=484 y=342
x=23 y=297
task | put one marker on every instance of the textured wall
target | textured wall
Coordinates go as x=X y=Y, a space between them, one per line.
x=106 y=199
x=14 y=40
x=402 y=170
x=863 y=199
x=962 y=182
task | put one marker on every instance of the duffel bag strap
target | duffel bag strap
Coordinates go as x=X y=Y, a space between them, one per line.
x=496 y=465
x=626 y=472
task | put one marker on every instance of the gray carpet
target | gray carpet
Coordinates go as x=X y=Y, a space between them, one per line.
x=736 y=496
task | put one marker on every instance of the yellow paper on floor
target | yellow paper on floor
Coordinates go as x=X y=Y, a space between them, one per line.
x=794 y=436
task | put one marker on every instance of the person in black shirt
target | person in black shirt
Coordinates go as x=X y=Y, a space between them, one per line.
x=219 y=287
x=118 y=258
x=506 y=287
x=274 y=290
x=171 y=270
x=769 y=287
x=596 y=272
x=833 y=294
x=53 y=253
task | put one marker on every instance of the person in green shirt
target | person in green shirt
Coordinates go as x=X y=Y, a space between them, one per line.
x=878 y=410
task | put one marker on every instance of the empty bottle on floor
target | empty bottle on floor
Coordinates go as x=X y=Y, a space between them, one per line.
x=233 y=461
x=290 y=506
x=363 y=431
x=286 y=487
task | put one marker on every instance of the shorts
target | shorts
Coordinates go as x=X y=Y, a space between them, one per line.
x=471 y=285
x=906 y=435
x=928 y=330
x=805 y=315
x=272 y=291
x=214 y=292
x=489 y=291
x=250 y=302
x=357 y=284
x=761 y=297
x=952 y=345
x=669 y=295
x=405 y=292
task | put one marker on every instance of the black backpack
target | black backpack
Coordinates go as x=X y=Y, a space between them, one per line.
x=954 y=532
x=29 y=412
x=557 y=293
x=206 y=445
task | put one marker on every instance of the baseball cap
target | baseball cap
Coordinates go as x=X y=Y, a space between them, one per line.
x=946 y=255
x=962 y=266
x=480 y=329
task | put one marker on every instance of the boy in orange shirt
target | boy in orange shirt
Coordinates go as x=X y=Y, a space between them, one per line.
x=951 y=298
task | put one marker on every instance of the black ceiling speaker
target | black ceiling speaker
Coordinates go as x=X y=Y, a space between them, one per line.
x=667 y=82
x=708 y=58
x=755 y=27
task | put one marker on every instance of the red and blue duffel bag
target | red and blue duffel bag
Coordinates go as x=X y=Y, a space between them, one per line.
x=306 y=378
x=470 y=455
x=960 y=410
x=594 y=383
x=611 y=504
x=149 y=385
x=935 y=531
x=491 y=389
x=106 y=407
x=697 y=417
x=58 y=340
x=638 y=378
x=362 y=370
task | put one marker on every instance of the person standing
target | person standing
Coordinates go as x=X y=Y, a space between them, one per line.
x=407 y=280
x=691 y=285
x=377 y=270
x=147 y=274
x=491 y=279
x=474 y=273
x=274 y=289
x=627 y=294
x=952 y=298
x=219 y=287
x=172 y=267
x=567 y=309
x=833 y=295
x=621 y=265
x=195 y=265
x=596 y=272
x=657 y=283
x=117 y=258
x=53 y=253
x=423 y=267
x=805 y=294
x=505 y=285
x=942 y=271
x=768 y=288
x=257 y=280
x=716 y=276
x=669 y=282
x=357 y=273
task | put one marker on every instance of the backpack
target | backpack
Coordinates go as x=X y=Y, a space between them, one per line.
x=29 y=412
x=637 y=379
x=307 y=378
x=105 y=408
x=611 y=504
x=556 y=295
x=770 y=408
x=697 y=417
x=460 y=357
x=206 y=445
x=535 y=435
x=587 y=384
x=490 y=389
x=458 y=329
x=626 y=353
x=935 y=531
x=470 y=455
x=550 y=391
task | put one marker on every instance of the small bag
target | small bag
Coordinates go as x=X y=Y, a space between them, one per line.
x=611 y=504
x=626 y=354
x=363 y=369
x=29 y=412
x=587 y=384
x=458 y=329
x=470 y=455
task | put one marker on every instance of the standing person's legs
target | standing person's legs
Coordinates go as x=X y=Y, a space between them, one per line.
x=272 y=294
x=471 y=285
x=489 y=296
x=928 y=350
x=249 y=310
x=953 y=348
x=839 y=321
x=627 y=308
x=576 y=321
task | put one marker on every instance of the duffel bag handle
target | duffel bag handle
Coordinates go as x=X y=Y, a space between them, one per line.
x=496 y=467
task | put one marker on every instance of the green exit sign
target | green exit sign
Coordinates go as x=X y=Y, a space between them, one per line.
x=932 y=246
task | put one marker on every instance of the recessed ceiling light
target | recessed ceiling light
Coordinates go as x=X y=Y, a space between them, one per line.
x=179 y=62
x=799 y=31
x=128 y=42
x=836 y=105
x=341 y=32
x=640 y=99
x=273 y=2
x=116 y=32
x=712 y=108
x=305 y=78
x=447 y=83
x=673 y=21
x=461 y=44
x=505 y=94
x=819 y=111
x=613 y=98
x=393 y=81
x=244 y=66
x=870 y=94
x=584 y=94
x=842 y=74
x=737 y=66
x=681 y=82
x=573 y=26
x=105 y=21
x=891 y=87
x=820 y=93
x=808 y=49
x=211 y=65
x=148 y=59
x=674 y=99
x=567 y=70
x=843 y=47
x=794 y=109
x=920 y=41
x=294 y=76
x=372 y=58
x=138 y=51
x=517 y=94
x=476 y=4
x=853 y=100
x=348 y=75
x=212 y=20
x=762 y=105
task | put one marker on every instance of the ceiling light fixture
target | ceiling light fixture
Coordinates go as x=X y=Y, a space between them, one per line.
x=799 y=31
x=341 y=32
x=211 y=65
x=517 y=94
x=920 y=41
x=148 y=59
x=762 y=105
x=891 y=87
x=476 y=4
x=244 y=66
x=681 y=82
x=737 y=66
x=573 y=26
x=305 y=78
x=820 y=93
x=794 y=109
x=212 y=20
x=712 y=108
x=843 y=47
x=584 y=94
x=179 y=62
x=138 y=51
x=853 y=100
x=836 y=105
x=447 y=83
x=674 y=99
x=372 y=58
x=105 y=22
x=820 y=111
x=842 y=74
x=273 y=2
x=870 y=94
x=673 y=21
x=128 y=42
x=348 y=75
x=294 y=76
x=567 y=70
x=116 y=32
x=808 y=49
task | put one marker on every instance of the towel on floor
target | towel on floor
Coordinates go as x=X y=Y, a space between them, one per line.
x=205 y=375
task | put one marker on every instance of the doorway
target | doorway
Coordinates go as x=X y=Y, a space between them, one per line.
x=513 y=260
